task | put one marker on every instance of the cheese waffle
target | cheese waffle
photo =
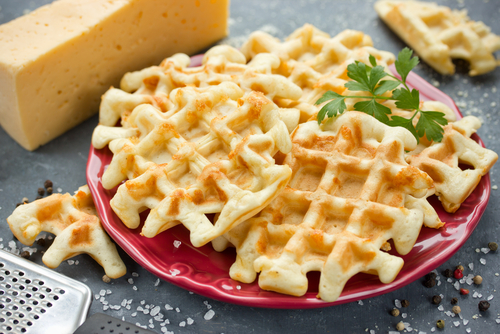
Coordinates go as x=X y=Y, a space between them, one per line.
x=220 y=64
x=441 y=162
x=211 y=153
x=345 y=200
x=74 y=221
x=315 y=62
x=439 y=34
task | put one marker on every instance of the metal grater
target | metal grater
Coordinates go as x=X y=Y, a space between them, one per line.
x=35 y=299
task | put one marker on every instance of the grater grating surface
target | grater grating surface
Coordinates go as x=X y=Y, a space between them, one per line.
x=35 y=299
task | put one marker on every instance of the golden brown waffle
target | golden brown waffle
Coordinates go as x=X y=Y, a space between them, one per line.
x=211 y=153
x=441 y=161
x=439 y=34
x=345 y=200
x=74 y=221
x=220 y=64
x=315 y=62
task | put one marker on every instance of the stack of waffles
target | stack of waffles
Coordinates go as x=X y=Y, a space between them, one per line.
x=238 y=137
x=232 y=150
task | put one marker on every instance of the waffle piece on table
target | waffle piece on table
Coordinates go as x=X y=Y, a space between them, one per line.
x=214 y=154
x=441 y=161
x=345 y=200
x=74 y=221
x=439 y=34
x=315 y=62
x=220 y=64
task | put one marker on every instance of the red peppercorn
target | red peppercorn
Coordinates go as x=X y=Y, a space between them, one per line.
x=464 y=291
x=458 y=274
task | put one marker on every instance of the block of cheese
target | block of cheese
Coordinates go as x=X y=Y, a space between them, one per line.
x=56 y=62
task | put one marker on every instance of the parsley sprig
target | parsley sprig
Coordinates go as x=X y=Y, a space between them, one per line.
x=367 y=78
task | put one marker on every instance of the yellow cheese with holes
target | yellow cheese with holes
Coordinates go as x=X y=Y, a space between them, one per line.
x=56 y=62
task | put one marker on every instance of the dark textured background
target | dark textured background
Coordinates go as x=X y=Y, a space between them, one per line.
x=63 y=161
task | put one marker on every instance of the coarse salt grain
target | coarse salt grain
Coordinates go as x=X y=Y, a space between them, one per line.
x=155 y=311
x=134 y=314
x=134 y=274
x=456 y=323
x=157 y=282
x=456 y=285
x=440 y=308
x=189 y=321
x=360 y=302
x=433 y=329
x=498 y=321
x=108 y=292
x=134 y=288
x=490 y=297
x=209 y=315
x=485 y=250
x=177 y=243
x=397 y=303
x=465 y=322
x=168 y=307
x=468 y=330
x=182 y=324
x=471 y=266
x=478 y=250
x=178 y=310
x=102 y=292
x=130 y=281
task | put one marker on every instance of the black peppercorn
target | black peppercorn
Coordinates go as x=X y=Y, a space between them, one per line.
x=38 y=197
x=49 y=191
x=41 y=191
x=405 y=303
x=454 y=301
x=41 y=242
x=26 y=255
x=48 y=184
x=483 y=305
x=436 y=299
x=430 y=276
x=448 y=273
x=429 y=283
x=493 y=246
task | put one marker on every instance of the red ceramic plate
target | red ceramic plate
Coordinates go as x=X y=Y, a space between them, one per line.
x=205 y=271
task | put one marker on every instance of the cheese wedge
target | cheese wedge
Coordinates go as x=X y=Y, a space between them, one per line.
x=56 y=62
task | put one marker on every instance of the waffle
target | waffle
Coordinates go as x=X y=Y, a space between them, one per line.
x=211 y=153
x=345 y=200
x=441 y=162
x=315 y=62
x=221 y=63
x=439 y=34
x=74 y=221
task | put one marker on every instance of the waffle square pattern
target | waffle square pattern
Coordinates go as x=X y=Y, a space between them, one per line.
x=345 y=200
x=212 y=152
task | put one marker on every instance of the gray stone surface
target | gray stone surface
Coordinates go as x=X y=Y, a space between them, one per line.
x=64 y=160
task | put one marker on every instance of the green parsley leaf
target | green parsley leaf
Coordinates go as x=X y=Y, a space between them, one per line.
x=376 y=74
x=405 y=63
x=386 y=85
x=357 y=72
x=373 y=61
x=406 y=99
x=375 y=109
x=329 y=95
x=406 y=123
x=429 y=125
x=332 y=108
